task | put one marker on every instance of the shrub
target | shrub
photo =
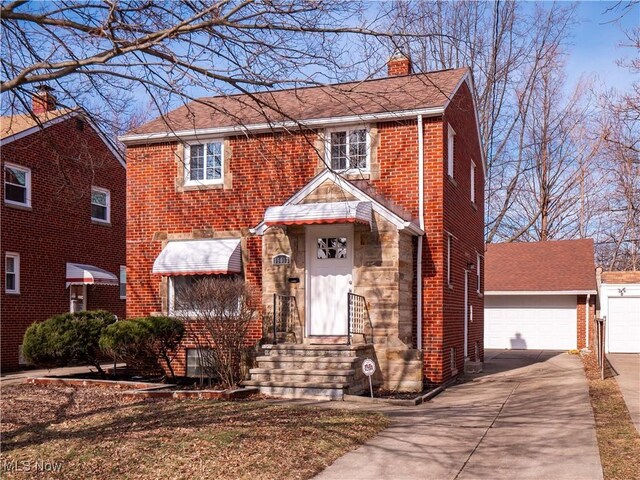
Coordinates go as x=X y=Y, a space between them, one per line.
x=142 y=342
x=67 y=338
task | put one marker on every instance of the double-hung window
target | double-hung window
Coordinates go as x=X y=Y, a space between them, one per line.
x=204 y=163
x=448 y=260
x=478 y=273
x=473 y=182
x=17 y=185
x=12 y=272
x=123 y=282
x=451 y=144
x=100 y=205
x=349 y=149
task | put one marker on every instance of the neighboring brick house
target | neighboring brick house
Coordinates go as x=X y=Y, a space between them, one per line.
x=536 y=295
x=234 y=185
x=63 y=220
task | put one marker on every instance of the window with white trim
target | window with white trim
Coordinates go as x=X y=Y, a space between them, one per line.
x=478 y=273
x=449 y=247
x=451 y=137
x=473 y=182
x=12 y=272
x=17 y=185
x=100 y=204
x=123 y=282
x=204 y=163
x=349 y=149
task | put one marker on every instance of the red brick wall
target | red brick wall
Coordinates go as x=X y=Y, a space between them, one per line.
x=582 y=319
x=65 y=161
x=267 y=170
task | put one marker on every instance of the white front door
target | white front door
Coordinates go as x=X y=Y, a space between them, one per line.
x=329 y=278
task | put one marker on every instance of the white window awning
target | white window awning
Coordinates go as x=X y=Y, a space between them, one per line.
x=81 y=274
x=310 y=213
x=199 y=257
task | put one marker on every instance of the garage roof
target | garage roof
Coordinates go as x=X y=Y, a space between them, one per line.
x=621 y=277
x=565 y=266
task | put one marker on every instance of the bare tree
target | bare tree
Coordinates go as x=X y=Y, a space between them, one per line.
x=217 y=313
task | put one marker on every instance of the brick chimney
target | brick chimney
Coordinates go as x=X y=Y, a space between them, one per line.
x=43 y=100
x=399 y=64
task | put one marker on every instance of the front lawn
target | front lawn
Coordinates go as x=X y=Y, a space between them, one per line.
x=96 y=433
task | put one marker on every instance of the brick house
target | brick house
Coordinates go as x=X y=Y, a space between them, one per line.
x=361 y=204
x=63 y=220
x=540 y=295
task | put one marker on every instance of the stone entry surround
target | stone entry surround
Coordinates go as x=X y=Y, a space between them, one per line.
x=383 y=273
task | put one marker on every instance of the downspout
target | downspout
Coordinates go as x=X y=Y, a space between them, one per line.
x=587 y=317
x=420 y=238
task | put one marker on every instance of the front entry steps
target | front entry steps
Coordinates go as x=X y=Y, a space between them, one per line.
x=319 y=372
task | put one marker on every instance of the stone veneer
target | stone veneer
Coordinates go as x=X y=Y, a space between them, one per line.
x=383 y=273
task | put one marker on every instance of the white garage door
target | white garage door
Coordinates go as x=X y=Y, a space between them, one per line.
x=545 y=322
x=623 y=325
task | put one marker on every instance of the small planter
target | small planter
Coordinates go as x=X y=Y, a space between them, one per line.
x=412 y=401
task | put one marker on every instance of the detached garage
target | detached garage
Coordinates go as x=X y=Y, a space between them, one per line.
x=536 y=295
x=620 y=305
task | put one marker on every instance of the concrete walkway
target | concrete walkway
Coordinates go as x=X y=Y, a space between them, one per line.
x=627 y=365
x=20 y=376
x=527 y=417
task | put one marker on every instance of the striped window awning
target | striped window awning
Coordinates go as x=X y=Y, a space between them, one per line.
x=81 y=274
x=200 y=257
x=318 y=213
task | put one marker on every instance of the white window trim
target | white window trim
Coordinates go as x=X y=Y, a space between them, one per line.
x=123 y=268
x=348 y=128
x=449 y=249
x=108 y=193
x=28 y=184
x=16 y=272
x=450 y=151
x=472 y=190
x=187 y=164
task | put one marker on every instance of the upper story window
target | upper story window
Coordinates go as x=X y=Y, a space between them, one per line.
x=448 y=260
x=473 y=182
x=349 y=149
x=478 y=273
x=100 y=205
x=204 y=163
x=123 y=282
x=17 y=185
x=450 y=150
x=12 y=272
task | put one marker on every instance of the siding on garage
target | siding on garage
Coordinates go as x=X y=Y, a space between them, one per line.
x=531 y=322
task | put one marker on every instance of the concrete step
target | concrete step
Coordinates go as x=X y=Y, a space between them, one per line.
x=316 y=350
x=309 y=390
x=297 y=361
x=301 y=375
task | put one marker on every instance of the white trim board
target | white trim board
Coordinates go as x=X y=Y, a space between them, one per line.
x=540 y=292
x=348 y=187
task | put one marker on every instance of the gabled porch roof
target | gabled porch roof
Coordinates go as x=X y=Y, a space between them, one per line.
x=360 y=196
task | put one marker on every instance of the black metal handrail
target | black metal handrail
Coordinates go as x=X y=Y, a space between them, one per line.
x=285 y=315
x=358 y=319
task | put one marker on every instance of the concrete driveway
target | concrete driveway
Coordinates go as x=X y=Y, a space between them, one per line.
x=627 y=367
x=528 y=416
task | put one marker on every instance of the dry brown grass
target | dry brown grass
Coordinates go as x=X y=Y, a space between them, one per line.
x=96 y=433
x=618 y=440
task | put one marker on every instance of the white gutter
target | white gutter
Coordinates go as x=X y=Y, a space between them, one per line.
x=195 y=133
x=587 y=320
x=420 y=238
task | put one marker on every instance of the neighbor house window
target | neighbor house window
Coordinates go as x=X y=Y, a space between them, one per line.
x=204 y=163
x=17 y=185
x=12 y=272
x=450 y=151
x=473 y=182
x=479 y=272
x=348 y=149
x=123 y=282
x=100 y=205
x=449 y=247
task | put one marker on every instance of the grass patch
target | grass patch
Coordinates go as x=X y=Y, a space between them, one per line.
x=96 y=433
x=618 y=439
